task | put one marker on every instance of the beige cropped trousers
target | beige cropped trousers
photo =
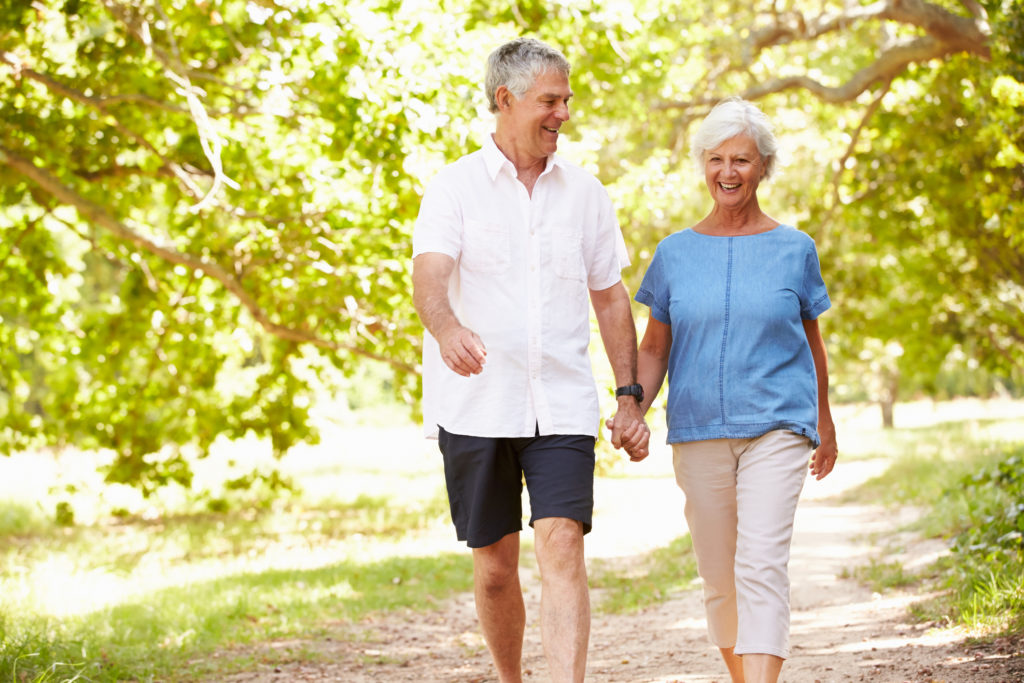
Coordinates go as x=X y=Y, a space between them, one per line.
x=741 y=497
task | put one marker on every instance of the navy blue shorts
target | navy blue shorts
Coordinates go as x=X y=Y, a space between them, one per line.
x=485 y=476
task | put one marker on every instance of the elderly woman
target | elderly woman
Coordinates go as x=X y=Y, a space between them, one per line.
x=734 y=305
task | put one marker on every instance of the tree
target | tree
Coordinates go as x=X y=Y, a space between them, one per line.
x=197 y=194
x=208 y=205
x=916 y=220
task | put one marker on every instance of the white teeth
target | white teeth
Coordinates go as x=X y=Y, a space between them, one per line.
x=729 y=187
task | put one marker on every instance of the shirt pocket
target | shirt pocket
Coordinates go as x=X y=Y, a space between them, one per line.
x=486 y=247
x=568 y=253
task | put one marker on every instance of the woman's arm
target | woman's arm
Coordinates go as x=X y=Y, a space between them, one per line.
x=652 y=359
x=825 y=456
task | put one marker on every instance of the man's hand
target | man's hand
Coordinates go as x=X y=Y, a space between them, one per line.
x=463 y=351
x=629 y=431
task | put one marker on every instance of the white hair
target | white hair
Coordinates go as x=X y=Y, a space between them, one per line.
x=516 y=65
x=731 y=117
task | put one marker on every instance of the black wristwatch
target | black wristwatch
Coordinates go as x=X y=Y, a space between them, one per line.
x=634 y=390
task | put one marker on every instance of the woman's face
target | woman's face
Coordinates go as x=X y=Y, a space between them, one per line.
x=733 y=170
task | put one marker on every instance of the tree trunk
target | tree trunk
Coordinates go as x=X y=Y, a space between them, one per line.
x=887 y=405
x=890 y=392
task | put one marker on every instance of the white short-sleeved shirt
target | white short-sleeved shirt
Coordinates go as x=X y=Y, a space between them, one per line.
x=523 y=268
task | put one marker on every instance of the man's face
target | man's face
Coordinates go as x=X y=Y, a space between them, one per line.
x=534 y=119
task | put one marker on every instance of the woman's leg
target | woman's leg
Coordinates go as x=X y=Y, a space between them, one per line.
x=706 y=472
x=770 y=476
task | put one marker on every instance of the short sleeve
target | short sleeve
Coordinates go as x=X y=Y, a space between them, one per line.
x=653 y=291
x=814 y=295
x=438 y=226
x=608 y=255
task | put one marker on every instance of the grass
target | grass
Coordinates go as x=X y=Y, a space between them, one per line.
x=178 y=590
x=148 y=636
x=880 y=575
x=967 y=477
x=628 y=586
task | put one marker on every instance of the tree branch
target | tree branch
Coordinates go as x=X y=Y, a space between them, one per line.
x=890 y=64
x=97 y=215
x=55 y=86
x=946 y=34
x=968 y=33
x=74 y=95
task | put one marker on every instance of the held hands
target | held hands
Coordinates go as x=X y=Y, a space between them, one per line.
x=463 y=351
x=629 y=431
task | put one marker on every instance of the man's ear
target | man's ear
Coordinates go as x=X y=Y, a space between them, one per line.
x=503 y=97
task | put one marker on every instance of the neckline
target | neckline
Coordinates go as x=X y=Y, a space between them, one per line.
x=749 y=234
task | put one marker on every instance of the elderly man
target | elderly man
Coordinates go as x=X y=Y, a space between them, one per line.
x=509 y=242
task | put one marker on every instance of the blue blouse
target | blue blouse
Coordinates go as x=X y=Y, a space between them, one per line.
x=740 y=365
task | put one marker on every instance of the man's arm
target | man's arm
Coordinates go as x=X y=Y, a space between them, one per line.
x=615 y=320
x=462 y=350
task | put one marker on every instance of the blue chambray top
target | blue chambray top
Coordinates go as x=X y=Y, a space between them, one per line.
x=740 y=365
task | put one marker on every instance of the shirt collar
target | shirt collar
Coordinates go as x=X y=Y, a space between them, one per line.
x=494 y=159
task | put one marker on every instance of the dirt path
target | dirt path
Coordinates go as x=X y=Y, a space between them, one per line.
x=840 y=630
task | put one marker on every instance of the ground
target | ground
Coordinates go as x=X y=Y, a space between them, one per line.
x=841 y=631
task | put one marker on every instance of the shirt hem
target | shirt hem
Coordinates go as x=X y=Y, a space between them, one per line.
x=741 y=431
x=506 y=434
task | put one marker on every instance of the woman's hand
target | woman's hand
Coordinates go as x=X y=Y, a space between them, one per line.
x=824 y=458
x=635 y=438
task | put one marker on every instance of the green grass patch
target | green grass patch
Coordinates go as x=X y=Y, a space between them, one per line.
x=880 y=575
x=153 y=599
x=971 y=489
x=151 y=635
x=628 y=586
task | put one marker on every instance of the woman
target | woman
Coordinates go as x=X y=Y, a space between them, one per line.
x=734 y=304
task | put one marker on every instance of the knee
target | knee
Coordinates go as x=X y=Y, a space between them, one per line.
x=559 y=545
x=495 y=577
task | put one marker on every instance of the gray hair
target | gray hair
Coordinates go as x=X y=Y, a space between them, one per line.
x=516 y=65
x=731 y=117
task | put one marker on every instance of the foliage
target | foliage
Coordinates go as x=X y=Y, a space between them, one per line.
x=206 y=207
x=987 y=569
x=192 y=194
x=972 y=492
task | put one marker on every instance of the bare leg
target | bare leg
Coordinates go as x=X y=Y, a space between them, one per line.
x=762 y=668
x=499 y=605
x=734 y=663
x=565 y=600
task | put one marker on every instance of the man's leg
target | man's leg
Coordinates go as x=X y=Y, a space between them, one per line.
x=565 y=600
x=499 y=604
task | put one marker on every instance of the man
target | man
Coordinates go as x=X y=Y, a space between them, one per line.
x=509 y=241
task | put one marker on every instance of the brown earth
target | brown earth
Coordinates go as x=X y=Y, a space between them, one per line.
x=841 y=630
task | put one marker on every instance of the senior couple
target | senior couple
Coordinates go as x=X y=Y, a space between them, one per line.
x=511 y=247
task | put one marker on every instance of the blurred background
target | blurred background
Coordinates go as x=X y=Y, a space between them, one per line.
x=206 y=211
